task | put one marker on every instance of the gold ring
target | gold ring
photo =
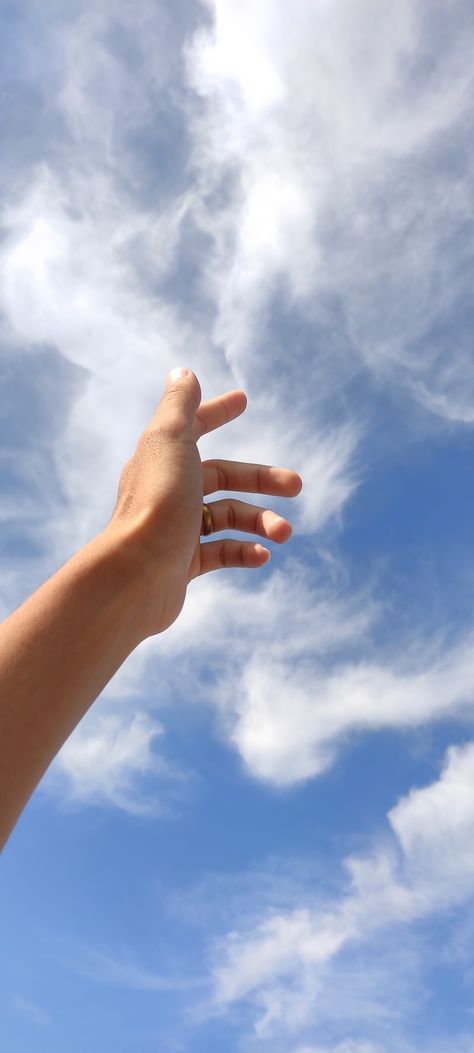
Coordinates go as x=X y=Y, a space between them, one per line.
x=207 y=523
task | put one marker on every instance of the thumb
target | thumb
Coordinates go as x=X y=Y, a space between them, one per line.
x=180 y=400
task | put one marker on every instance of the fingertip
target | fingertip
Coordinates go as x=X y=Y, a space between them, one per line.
x=263 y=554
x=297 y=484
x=237 y=403
x=285 y=532
x=275 y=527
x=289 y=483
x=181 y=375
x=244 y=398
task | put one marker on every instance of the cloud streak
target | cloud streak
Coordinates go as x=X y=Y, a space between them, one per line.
x=281 y=965
x=105 y=762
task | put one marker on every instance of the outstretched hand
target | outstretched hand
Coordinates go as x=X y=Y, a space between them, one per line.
x=161 y=492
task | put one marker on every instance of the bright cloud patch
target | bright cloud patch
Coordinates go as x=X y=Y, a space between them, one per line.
x=290 y=722
x=333 y=151
x=103 y=760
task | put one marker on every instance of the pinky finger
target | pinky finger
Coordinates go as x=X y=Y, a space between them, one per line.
x=217 y=555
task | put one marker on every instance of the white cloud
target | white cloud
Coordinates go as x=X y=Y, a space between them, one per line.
x=104 y=761
x=434 y=826
x=329 y=481
x=67 y=282
x=291 y=718
x=282 y=962
x=332 y=153
x=291 y=613
x=300 y=678
x=295 y=672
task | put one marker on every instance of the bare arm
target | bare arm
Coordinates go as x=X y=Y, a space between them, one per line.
x=62 y=646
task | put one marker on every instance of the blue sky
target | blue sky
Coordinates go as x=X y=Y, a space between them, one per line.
x=261 y=837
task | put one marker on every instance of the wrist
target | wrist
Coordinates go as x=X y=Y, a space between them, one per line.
x=143 y=579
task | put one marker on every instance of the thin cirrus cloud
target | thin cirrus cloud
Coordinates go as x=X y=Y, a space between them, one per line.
x=291 y=692
x=106 y=761
x=103 y=967
x=281 y=965
x=343 y=1047
x=32 y=1011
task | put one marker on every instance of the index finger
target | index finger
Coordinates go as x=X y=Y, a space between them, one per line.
x=250 y=478
x=218 y=411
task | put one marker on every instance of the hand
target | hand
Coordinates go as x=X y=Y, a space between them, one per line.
x=161 y=492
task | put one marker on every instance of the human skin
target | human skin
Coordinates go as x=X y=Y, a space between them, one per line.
x=62 y=646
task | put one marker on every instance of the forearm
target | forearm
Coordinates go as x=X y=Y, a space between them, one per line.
x=57 y=653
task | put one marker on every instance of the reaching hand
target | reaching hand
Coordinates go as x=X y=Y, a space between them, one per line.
x=161 y=490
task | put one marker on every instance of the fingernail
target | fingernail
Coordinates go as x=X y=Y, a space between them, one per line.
x=178 y=373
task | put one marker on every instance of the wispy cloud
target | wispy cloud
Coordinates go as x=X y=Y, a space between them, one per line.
x=301 y=678
x=105 y=762
x=31 y=1010
x=292 y=718
x=282 y=964
x=103 y=966
x=351 y=1046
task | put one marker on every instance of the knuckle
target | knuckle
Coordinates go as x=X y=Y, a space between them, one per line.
x=203 y=424
x=152 y=437
x=231 y=516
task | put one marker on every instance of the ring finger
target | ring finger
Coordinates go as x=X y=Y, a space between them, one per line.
x=230 y=514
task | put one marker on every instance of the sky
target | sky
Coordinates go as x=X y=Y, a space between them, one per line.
x=262 y=835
